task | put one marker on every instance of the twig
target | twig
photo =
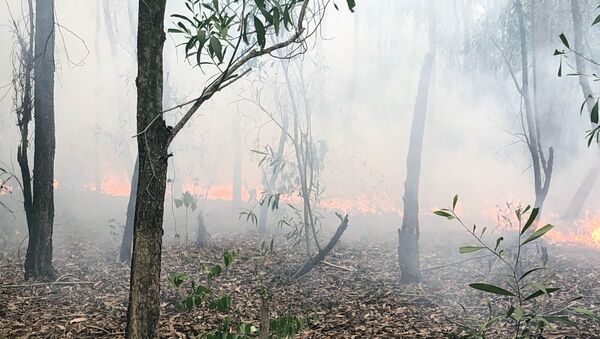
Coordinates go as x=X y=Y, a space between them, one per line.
x=456 y=263
x=349 y=269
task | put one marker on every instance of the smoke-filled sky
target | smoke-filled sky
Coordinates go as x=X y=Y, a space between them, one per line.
x=362 y=73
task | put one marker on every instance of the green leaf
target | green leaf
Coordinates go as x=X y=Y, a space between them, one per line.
x=560 y=68
x=491 y=289
x=454 y=201
x=540 y=232
x=221 y=304
x=564 y=40
x=498 y=241
x=530 y=271
x=594 y=114
x=596 y=21
x=215 y=271
x=444 y=214
x=178 y=203
x=469 y=249
x=217 y=48
x=586 y=312
x=178 y=278
x=531 y=219
x=541 y=292
x=351 y=5
x=260 y=32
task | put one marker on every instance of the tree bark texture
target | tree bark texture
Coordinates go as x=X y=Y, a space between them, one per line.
x=127 y=241
x=144 y=303
x=38 y=261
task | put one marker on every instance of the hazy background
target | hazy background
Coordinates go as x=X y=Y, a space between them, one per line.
x=365 y=81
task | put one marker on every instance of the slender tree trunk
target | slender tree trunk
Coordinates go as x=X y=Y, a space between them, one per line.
x=144 y=303
x=24 y=116
x=408 y=234
x=585 y=188
x=270 y=189
x=125 y=255
x=202 y=235
x=38 y=261
x=237 y=161
x=542 y=168
x=582 y=193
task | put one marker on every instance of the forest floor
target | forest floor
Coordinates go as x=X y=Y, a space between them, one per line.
x=355 y=295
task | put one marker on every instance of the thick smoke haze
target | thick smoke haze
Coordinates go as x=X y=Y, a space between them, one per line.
x=362 y=84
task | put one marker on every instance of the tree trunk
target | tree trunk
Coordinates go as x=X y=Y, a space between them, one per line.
x=542 y=168
x=38 y=261
x=408 y=234
x=202 y=235
x=125 y=255
x=237 y=162
x=270 y=189
x=144 y=294
x=582 y=193
x=24 y=116
x=584 y=190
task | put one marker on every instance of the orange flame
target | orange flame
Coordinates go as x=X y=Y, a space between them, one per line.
x=584 y=231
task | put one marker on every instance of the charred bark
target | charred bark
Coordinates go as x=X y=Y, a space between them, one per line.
x=153 y=140
x=38 y=261
x=127 y=241
x=408 y=234
x=25 y=113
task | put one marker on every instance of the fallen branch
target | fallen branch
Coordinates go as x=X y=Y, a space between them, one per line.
x=349 y=269
x=315 y=260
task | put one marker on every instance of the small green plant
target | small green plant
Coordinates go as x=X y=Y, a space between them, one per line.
x=199 y=293
x=189 y=202
x=518 y=289
x=286 y=325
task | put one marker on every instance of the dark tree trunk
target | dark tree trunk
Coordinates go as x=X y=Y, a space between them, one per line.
x=125 y=255
x=144 y=304
x=24 y=116
x=38 y=261
x=408 y=234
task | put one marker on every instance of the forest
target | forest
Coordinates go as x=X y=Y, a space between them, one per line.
x=299 y=169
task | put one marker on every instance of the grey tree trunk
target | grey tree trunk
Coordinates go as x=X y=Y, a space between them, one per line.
x=237 y=161
x=270 y=188
x=38 y=261
x=542 y=168
x=202 y=235
x=127 y=241
x=144 y=293
x=408 y=234
x=585 y=188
